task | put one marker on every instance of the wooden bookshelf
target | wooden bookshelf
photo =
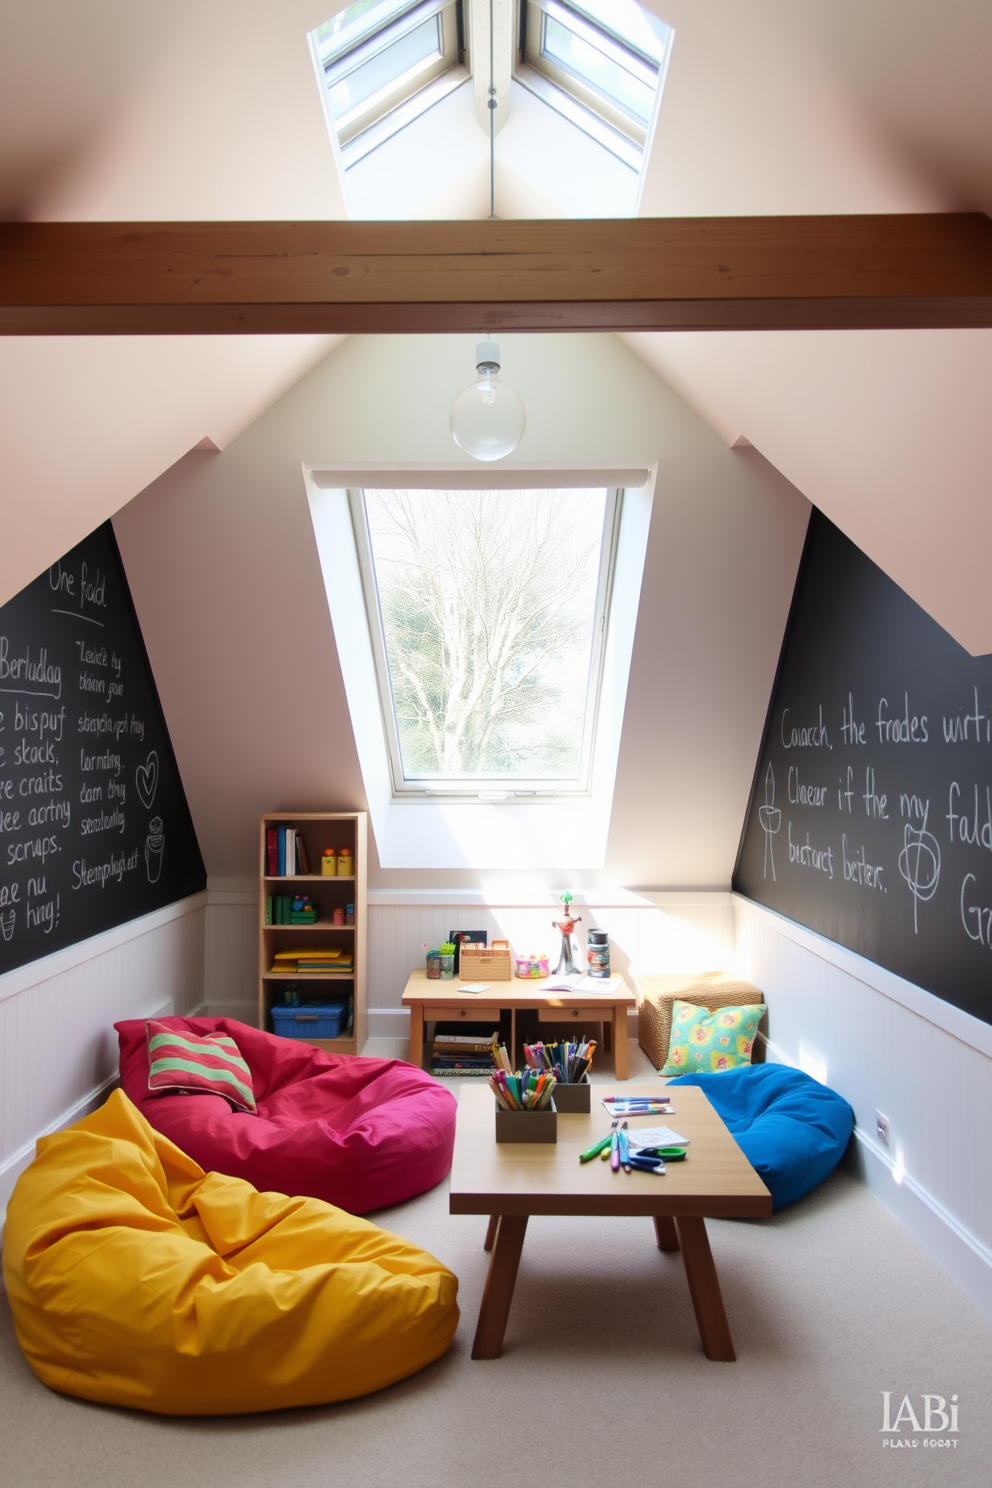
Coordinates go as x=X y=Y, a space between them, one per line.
x=320 y=829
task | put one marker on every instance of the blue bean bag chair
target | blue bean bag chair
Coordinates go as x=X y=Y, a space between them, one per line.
x=792 y=1130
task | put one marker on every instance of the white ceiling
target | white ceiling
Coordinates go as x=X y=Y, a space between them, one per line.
x=211 y=111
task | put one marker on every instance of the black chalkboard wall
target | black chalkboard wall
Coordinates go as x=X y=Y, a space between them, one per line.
x=870 y=817
x=94 y=826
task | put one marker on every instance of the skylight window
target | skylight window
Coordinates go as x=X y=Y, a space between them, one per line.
x=488 y=616
x=381 y=63
x=601 y=63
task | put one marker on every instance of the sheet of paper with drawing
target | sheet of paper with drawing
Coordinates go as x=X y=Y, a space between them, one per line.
x=654 y=1136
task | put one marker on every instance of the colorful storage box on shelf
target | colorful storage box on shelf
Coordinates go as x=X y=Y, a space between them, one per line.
x=323 y=1021
x=321 y=959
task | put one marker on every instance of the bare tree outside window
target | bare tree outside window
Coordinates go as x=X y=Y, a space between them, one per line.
x=490 y=608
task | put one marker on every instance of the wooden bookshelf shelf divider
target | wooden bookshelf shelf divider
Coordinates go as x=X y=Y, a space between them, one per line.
x=319 y=830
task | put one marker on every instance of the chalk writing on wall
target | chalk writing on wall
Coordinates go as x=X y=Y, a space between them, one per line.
x=870 y=818
x=94 y=825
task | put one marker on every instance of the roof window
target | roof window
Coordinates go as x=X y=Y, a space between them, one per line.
x=382 y=63
x=600 y=63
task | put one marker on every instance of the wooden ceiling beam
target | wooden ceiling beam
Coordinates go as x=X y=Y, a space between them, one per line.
x=648 y=274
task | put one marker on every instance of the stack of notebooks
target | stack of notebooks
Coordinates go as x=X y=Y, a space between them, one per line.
x=327 y=960
x=464 y=1054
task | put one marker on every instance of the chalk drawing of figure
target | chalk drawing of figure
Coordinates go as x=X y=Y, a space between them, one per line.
x=919 y=865
x=154 y=848
x=770 y=818
x=7 y=924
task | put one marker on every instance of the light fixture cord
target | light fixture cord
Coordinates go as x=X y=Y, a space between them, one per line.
x=492 y=116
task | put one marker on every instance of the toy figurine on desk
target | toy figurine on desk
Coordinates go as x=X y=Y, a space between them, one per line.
x=566 y=966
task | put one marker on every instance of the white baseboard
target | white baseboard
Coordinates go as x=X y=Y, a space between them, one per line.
x=389 y=1023
x=964 y=1257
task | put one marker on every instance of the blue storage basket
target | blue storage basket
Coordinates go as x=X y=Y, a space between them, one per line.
x=316 y=1022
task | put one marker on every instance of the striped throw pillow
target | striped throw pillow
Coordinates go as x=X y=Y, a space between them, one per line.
x=180 y=1062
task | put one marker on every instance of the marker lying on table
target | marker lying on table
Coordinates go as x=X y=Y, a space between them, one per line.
x=596 y=1149
x=624 y=1147
x=630 y=1105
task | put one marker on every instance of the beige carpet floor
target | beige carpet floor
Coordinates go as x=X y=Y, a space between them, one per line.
x=602 y=1380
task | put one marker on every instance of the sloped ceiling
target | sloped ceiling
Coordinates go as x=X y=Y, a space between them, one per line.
x=187 y=110
x=834 y=106
x=128 y=110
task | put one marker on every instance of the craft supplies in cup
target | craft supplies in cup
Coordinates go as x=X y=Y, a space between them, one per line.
x=525 y=1111
x=434 y=965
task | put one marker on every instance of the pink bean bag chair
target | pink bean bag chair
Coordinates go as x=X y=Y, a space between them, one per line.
x=358 y=1133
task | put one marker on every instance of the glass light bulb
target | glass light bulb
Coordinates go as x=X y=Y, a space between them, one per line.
x=487 y=419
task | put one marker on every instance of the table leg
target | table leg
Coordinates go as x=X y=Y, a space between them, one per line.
x=665 y=1232
x=487 y=1244
x=500 y=1281
x=620 y=1042
x=704 y=1289
x=417 y=1036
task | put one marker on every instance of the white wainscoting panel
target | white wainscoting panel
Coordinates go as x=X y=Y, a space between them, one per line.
x=58 y=1049
x=888 y=1046
x=670 y=932
x=230 y=981
x=650 y=932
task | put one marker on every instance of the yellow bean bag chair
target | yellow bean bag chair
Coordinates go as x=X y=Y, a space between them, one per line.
x=135 y=1278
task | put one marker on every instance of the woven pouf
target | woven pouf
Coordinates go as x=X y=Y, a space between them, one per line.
x=707 y=989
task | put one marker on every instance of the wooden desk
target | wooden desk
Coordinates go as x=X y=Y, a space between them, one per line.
x=512 y=1182
x=435 y=1001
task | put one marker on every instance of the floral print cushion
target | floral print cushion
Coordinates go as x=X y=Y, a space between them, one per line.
x=702 y=1040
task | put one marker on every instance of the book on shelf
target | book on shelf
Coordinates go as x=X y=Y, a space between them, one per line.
x=461 y=1071
x=331 y=959
x=459 y=1054
x=463 y=1040
x=454 y=1049
x=286 y=853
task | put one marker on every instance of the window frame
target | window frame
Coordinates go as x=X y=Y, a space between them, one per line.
x=584 y=105
x=491 y=788
x=398 y=103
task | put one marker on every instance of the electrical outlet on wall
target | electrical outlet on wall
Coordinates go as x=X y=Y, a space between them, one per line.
x=882 y=1128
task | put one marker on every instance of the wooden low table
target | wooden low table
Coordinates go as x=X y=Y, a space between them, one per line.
x=512 y=1182
x=436 y=1001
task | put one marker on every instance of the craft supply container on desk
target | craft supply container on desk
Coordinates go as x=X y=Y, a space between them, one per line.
x=527 y=1126
x=478 y=963
x=319 y=830
x=573 y=1099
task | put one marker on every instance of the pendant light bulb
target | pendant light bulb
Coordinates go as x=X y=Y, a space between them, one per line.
x=487 y=419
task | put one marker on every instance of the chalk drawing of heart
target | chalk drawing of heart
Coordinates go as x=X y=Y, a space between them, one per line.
x=146 y=779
